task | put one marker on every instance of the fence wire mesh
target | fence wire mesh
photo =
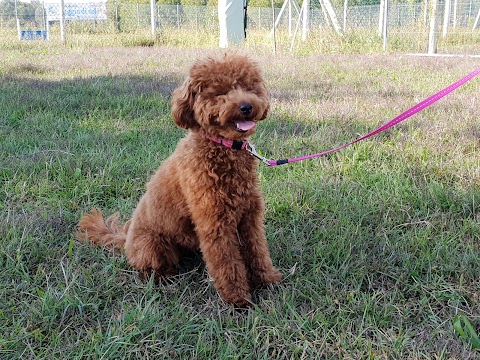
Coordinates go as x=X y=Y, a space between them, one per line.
x=408 y=24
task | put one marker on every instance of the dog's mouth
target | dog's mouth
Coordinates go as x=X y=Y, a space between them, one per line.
x=244 y=125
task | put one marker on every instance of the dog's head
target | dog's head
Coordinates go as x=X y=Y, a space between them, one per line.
x=223 y=96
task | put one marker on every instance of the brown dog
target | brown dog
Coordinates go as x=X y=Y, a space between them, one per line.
x=205 y=195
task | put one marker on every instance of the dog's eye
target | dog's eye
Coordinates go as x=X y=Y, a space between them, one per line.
x=213 y=119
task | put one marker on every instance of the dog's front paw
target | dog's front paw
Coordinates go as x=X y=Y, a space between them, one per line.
x=272 y=276
x=159 y=275
x=238 y=299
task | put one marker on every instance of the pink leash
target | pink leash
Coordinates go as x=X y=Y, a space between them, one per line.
x=245 y=145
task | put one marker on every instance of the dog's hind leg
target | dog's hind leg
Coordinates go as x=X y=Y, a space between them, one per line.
x=150 y=252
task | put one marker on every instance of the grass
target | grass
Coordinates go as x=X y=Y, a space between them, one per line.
x=321 y=40
x=379 y=244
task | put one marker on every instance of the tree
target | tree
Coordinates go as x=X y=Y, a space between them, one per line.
x=136 y=1
x=168 y=2
x=25 y=11
x=178 y=2
x=265 y=3
x=194 y=2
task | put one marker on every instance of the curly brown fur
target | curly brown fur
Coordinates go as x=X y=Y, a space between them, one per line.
x=204 y=196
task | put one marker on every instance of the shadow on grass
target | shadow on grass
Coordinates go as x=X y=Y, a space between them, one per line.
x=70 y=145
x=66 y=144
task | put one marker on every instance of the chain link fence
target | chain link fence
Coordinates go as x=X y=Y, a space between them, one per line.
x=407 y=23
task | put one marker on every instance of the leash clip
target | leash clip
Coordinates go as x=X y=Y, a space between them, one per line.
x=251 y=149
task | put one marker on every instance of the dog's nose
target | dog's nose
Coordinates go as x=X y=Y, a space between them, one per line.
x=246 y=108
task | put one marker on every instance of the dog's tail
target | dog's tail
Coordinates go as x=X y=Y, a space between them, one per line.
x=107 y=233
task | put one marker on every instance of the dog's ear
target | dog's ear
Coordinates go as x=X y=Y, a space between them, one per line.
x=265 y=113
x=182 y=106
x=267 y=109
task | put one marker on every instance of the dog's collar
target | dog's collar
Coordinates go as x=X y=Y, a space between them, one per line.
x=233 y=144
x=240 y=145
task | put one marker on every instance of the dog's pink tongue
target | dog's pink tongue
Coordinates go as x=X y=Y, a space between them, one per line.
x=244 y=125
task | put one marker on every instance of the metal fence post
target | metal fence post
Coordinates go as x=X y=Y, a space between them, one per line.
x=273 y=29
x=385 y=25
x=305 y=22
x=138 y=16
x=455 y=7
x=476 y=20
x=152 y=17
x=425 y=12
x=62 y=21
x=19 y=31
x=446 y=18
x=432 y=36
x=381 y=17
x=290 y=18
x=44 y=20
x=178 y=16
x=117 y=17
